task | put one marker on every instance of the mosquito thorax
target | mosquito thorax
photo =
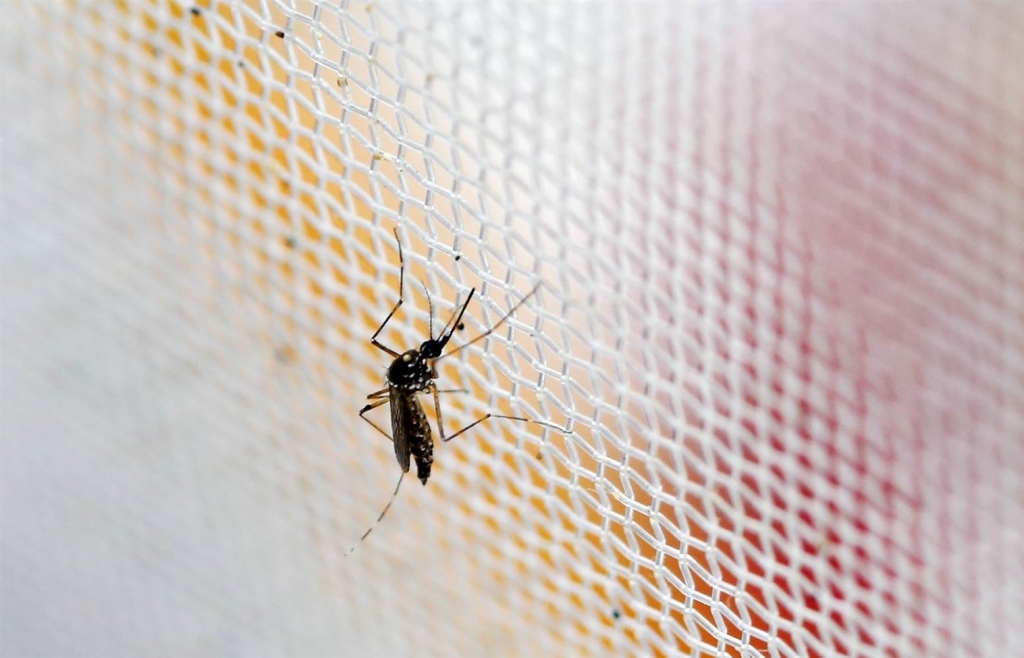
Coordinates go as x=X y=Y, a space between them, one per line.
x=410 y=371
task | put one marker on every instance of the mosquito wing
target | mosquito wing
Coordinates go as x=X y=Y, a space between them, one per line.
x=400 y=424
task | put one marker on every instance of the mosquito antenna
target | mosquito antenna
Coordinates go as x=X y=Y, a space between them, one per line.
x=430 y=310
x=491 y=330
x=375 y=523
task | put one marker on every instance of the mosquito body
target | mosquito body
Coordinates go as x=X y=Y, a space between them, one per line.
x=412 y=373
x=407 y=376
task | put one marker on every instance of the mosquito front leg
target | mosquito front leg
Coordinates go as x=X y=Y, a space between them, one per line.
x=401 y=296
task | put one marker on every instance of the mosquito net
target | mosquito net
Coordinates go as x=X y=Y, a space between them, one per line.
x=780 y=250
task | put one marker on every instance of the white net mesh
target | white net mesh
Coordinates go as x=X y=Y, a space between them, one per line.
x=782 y=255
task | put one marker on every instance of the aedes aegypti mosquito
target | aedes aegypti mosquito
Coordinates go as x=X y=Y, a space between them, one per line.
x=413 y=372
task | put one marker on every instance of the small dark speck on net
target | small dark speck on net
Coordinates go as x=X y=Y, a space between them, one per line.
x=196 y=11
x=279 y=34
x=616 y=614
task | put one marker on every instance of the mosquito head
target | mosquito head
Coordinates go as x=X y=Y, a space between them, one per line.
x=431 y=349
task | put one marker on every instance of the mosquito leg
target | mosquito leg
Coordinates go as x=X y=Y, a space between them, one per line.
x=477 y=422
x=376 y=395
x=437 y=410
x=437 y=407
x=374 y=405
x=563 y=430
x=401 y=295
x=440 y=419
x=379 y=518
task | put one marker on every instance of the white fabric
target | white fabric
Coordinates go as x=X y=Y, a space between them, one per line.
x=781 y=249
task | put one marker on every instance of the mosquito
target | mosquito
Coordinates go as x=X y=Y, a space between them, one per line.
x=414 y=372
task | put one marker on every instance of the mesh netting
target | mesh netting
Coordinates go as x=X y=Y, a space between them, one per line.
x=781 y=256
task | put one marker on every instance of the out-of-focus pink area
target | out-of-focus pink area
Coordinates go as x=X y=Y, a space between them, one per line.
x=852 y=176
x=904 y=179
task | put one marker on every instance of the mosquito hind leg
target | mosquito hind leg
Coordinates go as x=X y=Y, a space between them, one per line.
x=558 y=428
x=477 y=422
x=379 y=518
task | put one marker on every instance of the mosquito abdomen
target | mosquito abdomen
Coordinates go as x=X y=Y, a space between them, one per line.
x=421 y=440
